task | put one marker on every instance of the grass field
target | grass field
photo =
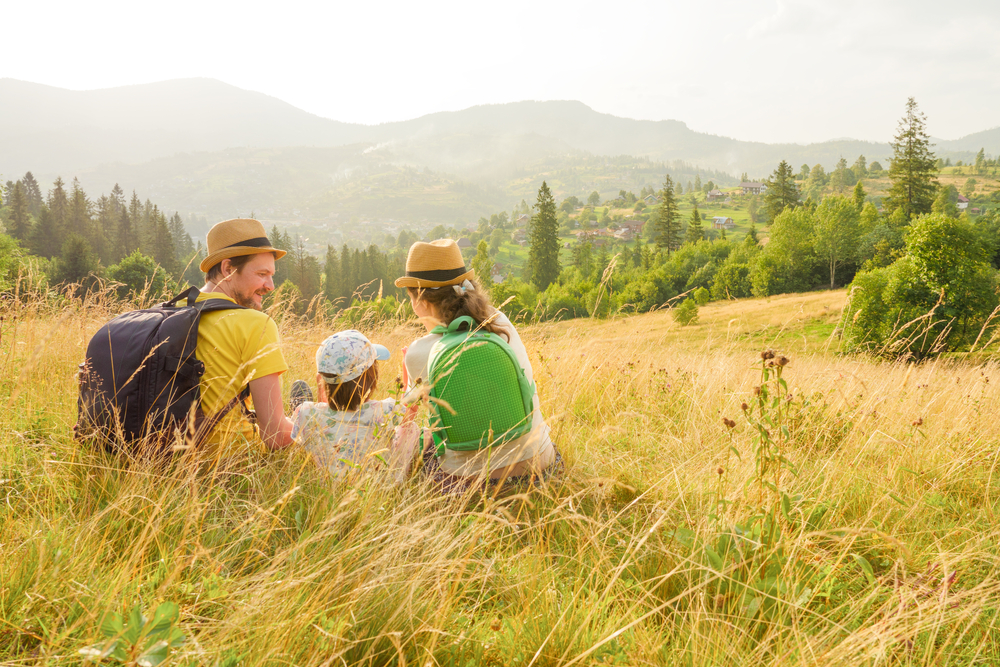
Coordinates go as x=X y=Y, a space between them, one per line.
x=849 y=517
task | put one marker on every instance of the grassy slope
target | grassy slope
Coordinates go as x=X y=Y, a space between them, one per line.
x=272 y=564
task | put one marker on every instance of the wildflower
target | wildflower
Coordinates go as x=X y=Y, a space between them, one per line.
x=782 y=361
x=767 y=355
x=744 y=407
x=728 y=422
x=720 y=471
x=918 y=421
x=756 y=390
x=496 y=624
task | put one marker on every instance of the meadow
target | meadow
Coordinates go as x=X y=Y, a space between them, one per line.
x=718 y=507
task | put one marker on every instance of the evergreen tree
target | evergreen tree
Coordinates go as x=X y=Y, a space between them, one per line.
x=751 y=237
x=981 y=161
x=33 y=193
x=912 y=169
x=44 y=238
x=679 y=189
x=183 y=245
x=697 y=182
x=118 y=198
x=668 y=228
x=59 y=209
x=543 y=254
x=163 y=243
x=76 y=262
x=695 y=232
x=127 y=239
x=20 y=215
x=781 y=192
x=346 y=275
x=803 y=172
x=305 y=270
x=331 y=274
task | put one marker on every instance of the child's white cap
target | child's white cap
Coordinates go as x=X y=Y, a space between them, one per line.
x=345 y=355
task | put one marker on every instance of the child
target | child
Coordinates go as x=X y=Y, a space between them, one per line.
x=441 y=289
x=345 y=429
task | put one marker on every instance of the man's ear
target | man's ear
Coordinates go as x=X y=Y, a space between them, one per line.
x=226 y=267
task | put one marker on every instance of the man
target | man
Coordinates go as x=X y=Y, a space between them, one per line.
x=240 y=347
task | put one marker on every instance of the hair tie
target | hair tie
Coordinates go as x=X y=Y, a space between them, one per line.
x=466 y=286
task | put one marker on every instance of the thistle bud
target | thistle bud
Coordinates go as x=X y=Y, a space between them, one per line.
x=918 y=421
x=744 y=407
x=767 y=355
x=781 y=361
x=729 y=423
x=720 y=471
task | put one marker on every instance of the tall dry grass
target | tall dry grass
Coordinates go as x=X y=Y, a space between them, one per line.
x=887 y=554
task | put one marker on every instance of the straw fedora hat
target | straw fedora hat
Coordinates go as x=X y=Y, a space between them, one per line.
x=435 y=264
x=234 y=238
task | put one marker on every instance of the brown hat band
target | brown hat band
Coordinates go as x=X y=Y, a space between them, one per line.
x=437 y=275
x=259 y=242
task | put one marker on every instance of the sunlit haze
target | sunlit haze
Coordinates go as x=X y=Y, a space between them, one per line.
x=767 y=71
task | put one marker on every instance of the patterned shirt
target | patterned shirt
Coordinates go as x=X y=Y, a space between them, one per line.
x=340 y=440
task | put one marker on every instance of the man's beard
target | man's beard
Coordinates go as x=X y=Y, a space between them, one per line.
x=245 y=299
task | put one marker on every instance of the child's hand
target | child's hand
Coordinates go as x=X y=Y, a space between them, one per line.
x=406 y=376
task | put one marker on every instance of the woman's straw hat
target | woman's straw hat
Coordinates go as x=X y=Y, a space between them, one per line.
x=435 y=264
x=234 y=238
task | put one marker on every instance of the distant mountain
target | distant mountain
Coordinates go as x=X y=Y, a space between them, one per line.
x=52 y=130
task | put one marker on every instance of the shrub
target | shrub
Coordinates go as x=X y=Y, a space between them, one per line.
x=701 y=296
x=686 y=313
x=138 y=274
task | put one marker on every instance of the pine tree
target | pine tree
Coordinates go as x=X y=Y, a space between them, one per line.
x=912 y=169
x=183 y=245
x=679 y=189
x=781 y=192
x=44 y=238
x=76 y=261
x=59 y=209
x=163 y=243
x=543 y=254
x=668 y=228
x=127 y=239
x=346 y=275
x=118 y=198
x=695 y=232
x=697 y=183
x=331 y=274
x=20 y=215
x=33 y=193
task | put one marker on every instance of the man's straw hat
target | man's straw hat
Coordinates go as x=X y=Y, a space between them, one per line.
x=435 y=264
x=234 y=238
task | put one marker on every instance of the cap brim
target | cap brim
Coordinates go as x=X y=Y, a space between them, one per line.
x=236 y=251
x=381 y=352
x=410 y=281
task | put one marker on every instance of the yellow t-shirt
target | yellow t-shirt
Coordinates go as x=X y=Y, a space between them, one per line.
x=236 y=346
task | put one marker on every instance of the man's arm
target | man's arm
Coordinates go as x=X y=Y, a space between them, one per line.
x=275 y=427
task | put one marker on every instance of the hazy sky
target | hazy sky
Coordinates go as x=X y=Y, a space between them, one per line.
x=769 y=70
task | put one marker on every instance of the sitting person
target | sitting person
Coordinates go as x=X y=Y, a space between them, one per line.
x=441 y=291
x=346 y=429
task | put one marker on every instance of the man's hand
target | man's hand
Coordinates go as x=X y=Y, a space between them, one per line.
x=275 y=428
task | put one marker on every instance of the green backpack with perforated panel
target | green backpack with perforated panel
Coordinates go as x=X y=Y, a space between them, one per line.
x=480 y=395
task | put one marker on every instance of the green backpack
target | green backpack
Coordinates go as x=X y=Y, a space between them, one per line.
x=476 y=374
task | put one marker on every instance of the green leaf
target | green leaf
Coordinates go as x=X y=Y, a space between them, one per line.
x=898 y=499
x=786 y=507
x=176 y=638
x=111 y=625
x=714 y=558
x=163 y=619
x=866 y=566
x=153 y=655
x=136 y=622
x=735 y=451
x=784 y=385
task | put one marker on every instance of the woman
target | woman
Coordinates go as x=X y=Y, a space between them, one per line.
x=441 y=290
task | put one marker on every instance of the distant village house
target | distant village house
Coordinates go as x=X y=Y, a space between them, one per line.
x=723 y=222
x=963 y=202
x=714 y=195
x=752 y=187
